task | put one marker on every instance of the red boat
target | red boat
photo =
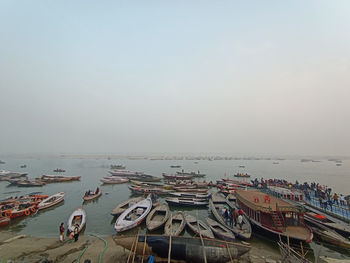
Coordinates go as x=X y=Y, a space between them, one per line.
x=20 y=210
x=274 y=216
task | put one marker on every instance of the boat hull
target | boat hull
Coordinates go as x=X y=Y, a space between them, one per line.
x=184 y=249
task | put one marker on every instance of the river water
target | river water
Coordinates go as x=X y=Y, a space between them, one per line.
x=45 y=223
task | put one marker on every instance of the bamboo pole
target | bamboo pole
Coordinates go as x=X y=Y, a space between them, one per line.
x=171 y=229
x=229 y=252
x=144 y=248
x=199 y=231
x=131 y=249
x=137 y=241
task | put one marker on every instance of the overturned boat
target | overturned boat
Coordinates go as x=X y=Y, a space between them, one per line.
x=183 y=249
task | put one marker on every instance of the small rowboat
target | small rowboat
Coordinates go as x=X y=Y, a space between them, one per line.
x=29 y=183
x=158 y=216
x=4 y=221
x=125 y=205
x=198 y=227
x=51 y=201
x=175 y=224
x=220 y=231
x=183 y=249
x=77 y=219
x=134 y=215
x=93 y=196
x=47 y=178
x=186 y=201
x=114 y=180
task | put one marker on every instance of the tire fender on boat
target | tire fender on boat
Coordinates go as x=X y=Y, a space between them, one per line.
x=8 y=213
x=27 y=212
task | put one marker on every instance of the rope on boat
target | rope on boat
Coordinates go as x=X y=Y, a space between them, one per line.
x=104 y=249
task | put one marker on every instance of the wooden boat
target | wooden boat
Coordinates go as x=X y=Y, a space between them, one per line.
x=77 y=219
x=48 y=178
x=186 y=201
x=29 y=183
x=190 y=195
x=114 y=180
x=150 y=184
x=4 y=221
x=193 y=174
x=134 y=215
x=175 y=224
x=325 y=234
x=274 y=216
x=34 y=197
x=217 y=208
x=92 y=196
x=148 y=190
x=183 y=249
x=198 y=226
x=220 y=231
x=175 y=166
x=315 y=217
x=124 y=173
x=145 y=178
x=19 y=210
x=125 y=205
x=242 y=175
x=176 y=176
x=231 y=200
x=157 y=217
x=51 y=201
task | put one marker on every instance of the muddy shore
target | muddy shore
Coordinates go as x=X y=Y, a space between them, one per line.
x=31 y=249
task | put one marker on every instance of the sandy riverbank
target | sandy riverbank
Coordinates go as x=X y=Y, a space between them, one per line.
x=33 y=249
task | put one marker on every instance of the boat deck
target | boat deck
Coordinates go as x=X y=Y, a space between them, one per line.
x=257 y=198
x=297 y=232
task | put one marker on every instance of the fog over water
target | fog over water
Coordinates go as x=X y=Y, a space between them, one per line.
x=162 y=76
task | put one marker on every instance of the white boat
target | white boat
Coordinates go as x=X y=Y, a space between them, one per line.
x=190 y=195
x=134 y=215
x=125 y=205
x=51 y=200
x=77 y=219
x=114 y=180
x=3 y=172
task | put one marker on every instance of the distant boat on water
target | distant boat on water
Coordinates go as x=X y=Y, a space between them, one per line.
x=175 y=166
x=117 y=167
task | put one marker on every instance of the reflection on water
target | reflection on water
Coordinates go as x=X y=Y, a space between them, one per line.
x=100 y=221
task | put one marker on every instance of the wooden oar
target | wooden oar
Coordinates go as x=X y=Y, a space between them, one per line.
x=137 y=241
x=199 y=231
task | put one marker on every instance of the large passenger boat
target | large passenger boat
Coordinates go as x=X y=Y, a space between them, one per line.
x=274 y=216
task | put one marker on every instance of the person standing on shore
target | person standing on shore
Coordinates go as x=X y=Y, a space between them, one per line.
x=62 y=232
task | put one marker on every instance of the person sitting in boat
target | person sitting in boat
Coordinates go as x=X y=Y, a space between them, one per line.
x=97 y=190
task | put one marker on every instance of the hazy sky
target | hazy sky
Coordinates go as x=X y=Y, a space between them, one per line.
x=175 y=76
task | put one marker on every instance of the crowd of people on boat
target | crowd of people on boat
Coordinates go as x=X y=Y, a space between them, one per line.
x=322 y=193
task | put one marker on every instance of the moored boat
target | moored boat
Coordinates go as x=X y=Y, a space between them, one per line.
x=148 y=190
x=157 y=217
x=186 y=201
x=134 y=215
x=90 y=195
x=190 y=195
x=175 y=224
x=193 y=174
x=48 y=178
x=192 y=190
x=114 y=180
x=51 y=200
x=29 y=183
x=125 y=205
x=220 y=231
x=217 y=209
x=274 y=216
x=77 y=219
x=242 y=175
x=198 y=226
x=177 y=176
x=183 y=249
